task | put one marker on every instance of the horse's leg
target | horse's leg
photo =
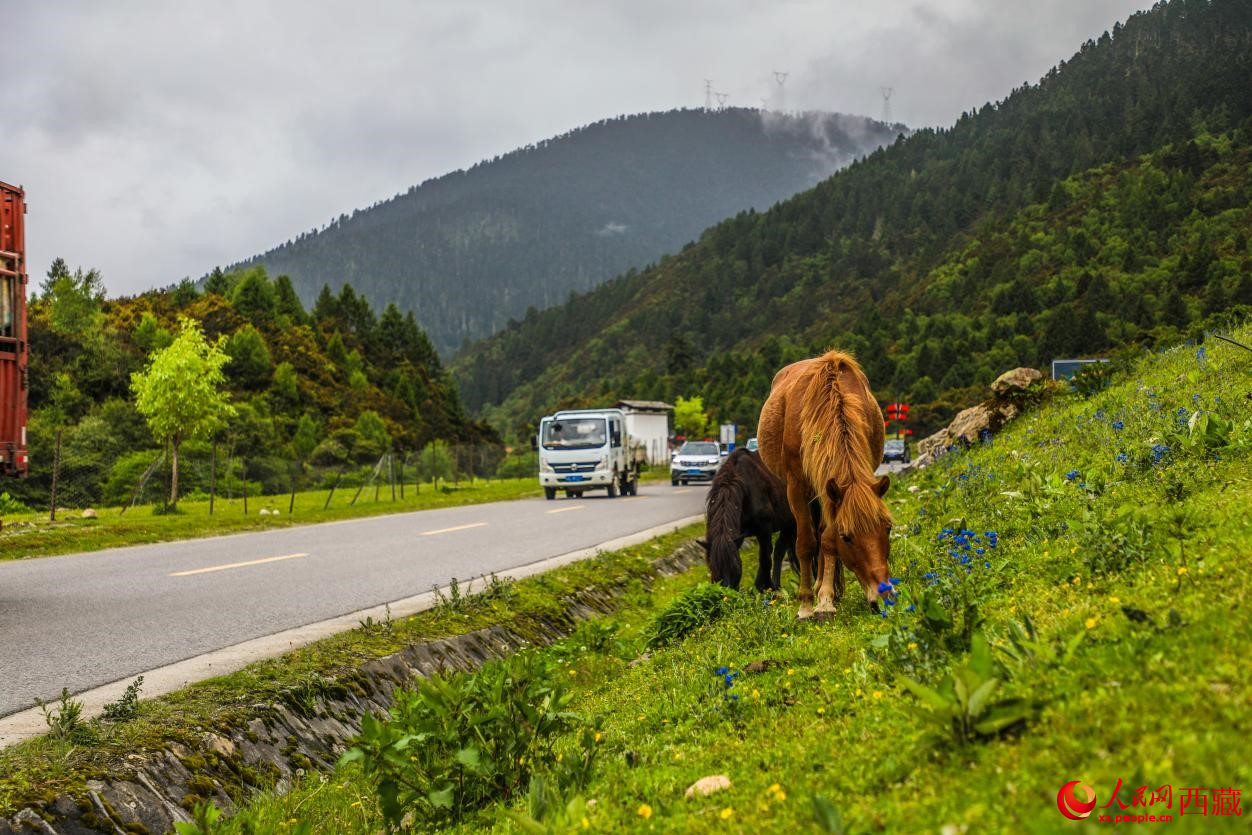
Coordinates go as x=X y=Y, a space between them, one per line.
x=838 y=580
x=766 y=543
x=806 y=546
x=826 y=590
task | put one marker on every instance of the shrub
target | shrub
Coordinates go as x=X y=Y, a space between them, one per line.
x=692 y=609
x=461 y=742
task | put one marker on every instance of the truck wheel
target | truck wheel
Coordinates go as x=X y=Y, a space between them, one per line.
x=673 y=482
x=612 y=490
x=549 y=493
x=632 y=488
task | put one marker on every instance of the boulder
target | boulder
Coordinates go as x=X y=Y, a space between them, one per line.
x=706 y=786
x=933 y=446
x=89 y=513
x=1019 y=379
x=970 y=423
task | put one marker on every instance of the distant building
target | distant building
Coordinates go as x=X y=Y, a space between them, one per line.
x=647 y=422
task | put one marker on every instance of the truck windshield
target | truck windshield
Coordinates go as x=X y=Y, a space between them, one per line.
x=577 y=433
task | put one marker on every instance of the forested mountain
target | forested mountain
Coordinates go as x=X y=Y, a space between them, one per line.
x=1032 y=228
x=470 y=250
x=330 y=389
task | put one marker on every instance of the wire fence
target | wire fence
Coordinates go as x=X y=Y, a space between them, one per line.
x=69 y=471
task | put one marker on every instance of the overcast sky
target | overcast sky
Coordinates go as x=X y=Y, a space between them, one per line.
x=158 y=138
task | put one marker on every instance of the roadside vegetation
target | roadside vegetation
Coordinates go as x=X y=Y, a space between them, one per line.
x=1070 y=606
x=29 y=534
x=77 y=749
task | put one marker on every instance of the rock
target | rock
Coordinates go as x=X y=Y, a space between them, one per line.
x=706 y=786
x=969 y=424
x=219 y=745
x=913 y=488
x=761 y=666
x=265 y=511
x=89 y=513
x=1019 y=379
x=933 y=446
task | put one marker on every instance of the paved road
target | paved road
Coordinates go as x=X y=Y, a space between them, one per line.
x=83 y=620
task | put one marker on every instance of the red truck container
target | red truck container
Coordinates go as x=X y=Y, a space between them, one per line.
x=13 y=458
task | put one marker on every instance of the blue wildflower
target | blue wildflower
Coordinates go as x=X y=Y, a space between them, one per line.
x=1201 y=355
x=1121 y=457
x=721 y=671
x=912 y=607
x=890 y=601
x=965 y=560
x=1118 y=425
x=987 y=564
x=894 y=581
x=1159 y=451
x=1071 y=475
x=730 y=680
x=980 y=551
x=884 y=587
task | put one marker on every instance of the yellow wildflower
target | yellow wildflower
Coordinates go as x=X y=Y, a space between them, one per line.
x=1091 y=622
x=645 y=811
x=1182 y=569
x=726 y=813
x=1114 y=599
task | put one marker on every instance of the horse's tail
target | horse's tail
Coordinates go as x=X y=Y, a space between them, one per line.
x=835 y=438
x=724 y=518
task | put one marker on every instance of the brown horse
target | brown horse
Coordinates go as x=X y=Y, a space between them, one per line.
x=821 y=432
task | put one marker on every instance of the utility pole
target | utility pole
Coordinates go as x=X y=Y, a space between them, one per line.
x=708 y=94
x=886 y=104
x=781 y=79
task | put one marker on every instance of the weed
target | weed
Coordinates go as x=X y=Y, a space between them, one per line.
x=962 y=707
x=692 y=609
x=826 y=815
x=372 y=627
x=66 y=722
x=127 y=707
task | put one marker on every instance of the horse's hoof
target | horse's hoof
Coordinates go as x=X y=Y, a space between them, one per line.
x=805 y=613
x=823 y=615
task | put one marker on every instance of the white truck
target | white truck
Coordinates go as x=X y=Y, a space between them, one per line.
x=587 y=449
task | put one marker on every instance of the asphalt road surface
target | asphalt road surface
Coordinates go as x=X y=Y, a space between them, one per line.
x=83 y=620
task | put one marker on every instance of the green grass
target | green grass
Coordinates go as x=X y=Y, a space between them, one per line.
x=39 y=769
x=1144 y=557
x=33 y=535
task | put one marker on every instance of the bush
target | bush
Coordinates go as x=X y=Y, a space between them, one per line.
x=461 y=742
x=692 y=609
x=525 y=465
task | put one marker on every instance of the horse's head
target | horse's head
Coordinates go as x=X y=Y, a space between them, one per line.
x=722 y=557
x=859 y=535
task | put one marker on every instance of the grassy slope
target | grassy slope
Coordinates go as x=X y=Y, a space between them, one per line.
x=32 y=535
x=1159 y=703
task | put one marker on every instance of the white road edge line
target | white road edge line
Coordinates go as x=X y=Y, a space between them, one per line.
x=231 y=565
x=20 y=726
x=564 y=509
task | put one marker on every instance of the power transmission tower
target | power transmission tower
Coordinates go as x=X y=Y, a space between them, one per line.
x=781 y=79
x=886 y=103
x=721 y=99
x=708 y=94
x=764 y=105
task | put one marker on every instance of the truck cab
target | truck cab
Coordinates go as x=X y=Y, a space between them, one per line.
x=587 y=449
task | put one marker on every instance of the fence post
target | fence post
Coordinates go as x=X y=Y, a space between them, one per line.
x=391 y=471
x=56 y=472
x=292 y=505
x=400 y=477
x=243 y=466
x=332 y=489
x=212 y=477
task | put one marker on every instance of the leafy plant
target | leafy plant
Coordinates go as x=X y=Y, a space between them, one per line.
x=547 y=813
x=826 y=815
x=1111 y=541
x=385 y=626
x=1092 y=378
x=460 y=742
x=962 y=706
x=695 y=607
x=8 y=504
x=1026 y=649
x=127 y=707
x=66 y=722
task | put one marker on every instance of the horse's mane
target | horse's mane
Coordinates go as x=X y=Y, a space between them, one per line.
x=724 y=504
x=835 y=445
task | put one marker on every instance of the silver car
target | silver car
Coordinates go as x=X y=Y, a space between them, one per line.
x=695 y=461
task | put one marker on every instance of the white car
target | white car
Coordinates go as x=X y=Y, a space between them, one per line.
x=695 y=461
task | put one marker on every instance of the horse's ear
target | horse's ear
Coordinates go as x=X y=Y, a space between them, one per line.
x=881 y=487
x=703 y=543
x=832 y=492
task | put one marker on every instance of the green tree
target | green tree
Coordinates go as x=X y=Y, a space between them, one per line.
x=372 y=436
x=435 y=462
x=149 y=335
x=74 y=301
x=305 y=439
x=690 y=418
x=179 y=392
x=250 y=362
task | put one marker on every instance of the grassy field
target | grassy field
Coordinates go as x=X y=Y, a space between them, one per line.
x=33 y=535
x=1072 y=606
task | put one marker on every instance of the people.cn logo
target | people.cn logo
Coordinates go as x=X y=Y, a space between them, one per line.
x=1069 y=804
